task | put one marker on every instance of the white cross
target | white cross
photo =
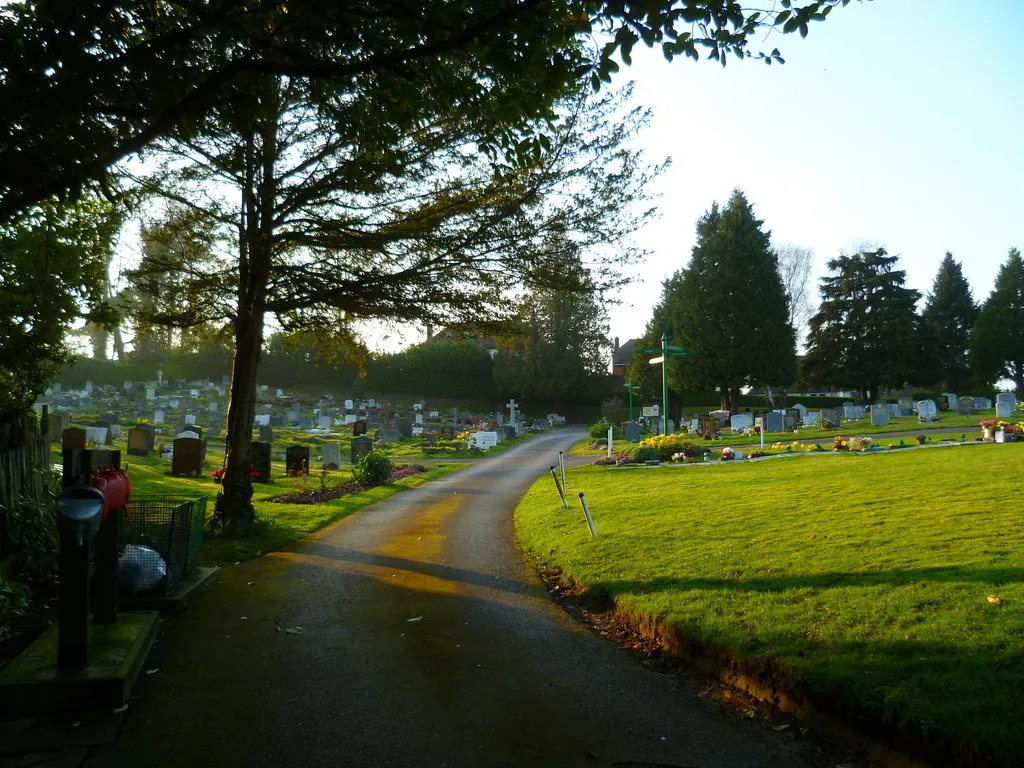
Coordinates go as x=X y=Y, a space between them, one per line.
x=511 y=405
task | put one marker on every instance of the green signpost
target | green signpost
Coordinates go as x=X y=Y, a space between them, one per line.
x=666 y=351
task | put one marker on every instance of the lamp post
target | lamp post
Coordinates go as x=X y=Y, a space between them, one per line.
x=667 y=351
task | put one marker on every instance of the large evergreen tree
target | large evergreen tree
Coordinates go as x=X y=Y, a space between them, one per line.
x=997 y=345
x=729 y=309
x=864 y=335
x=947 y=322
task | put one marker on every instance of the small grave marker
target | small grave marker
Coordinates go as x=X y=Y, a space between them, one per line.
x=188 y=457
x=296 y=460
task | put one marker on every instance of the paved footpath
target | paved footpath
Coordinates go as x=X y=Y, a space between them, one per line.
x=412 y=634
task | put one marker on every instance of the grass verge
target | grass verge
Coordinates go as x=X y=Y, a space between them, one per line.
x=858 y=582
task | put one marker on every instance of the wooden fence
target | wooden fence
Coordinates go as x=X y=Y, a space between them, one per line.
x=27 y=453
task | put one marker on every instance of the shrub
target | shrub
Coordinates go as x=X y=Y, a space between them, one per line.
x=642 y=453
x=372 y=469
x=669 y=445
x=598 y=430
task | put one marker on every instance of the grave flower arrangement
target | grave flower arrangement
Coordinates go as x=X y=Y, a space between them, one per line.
x=839 y=443
x=727 y=454
x=827 y=424
x=988 y=423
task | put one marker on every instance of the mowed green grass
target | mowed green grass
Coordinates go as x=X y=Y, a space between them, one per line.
x=862 y=580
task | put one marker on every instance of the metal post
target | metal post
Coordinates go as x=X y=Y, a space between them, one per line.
x=561 y=464
x=586 y=511
x=561 y=495
x=664 y=383
x=610 y=437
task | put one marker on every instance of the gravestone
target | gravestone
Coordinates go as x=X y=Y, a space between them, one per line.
x=926 y=410
x=801 y=408
x=73 y=439
x=906 y=406
x=266 y=434
x=388 y=435
x=325 y=422
x=853 y=412
x=159 y=416
x=849 y=403
x=259 y=462
x=358 y=428
x=812 y=418
x=631 y=431
x=419 y=419
x=277 y=419
x=484 y=440
x=508 y=431
x=350 y=418
x=722 y=416
x=893 y=409
x=213 y=406
x=794 y=413
x=188 y=457
x=951 y=399
x=349 y=405
x=417 y=430
x=296 y=460
x=982 y=403
x=139 y=442
x=434 y=414
x=262 y=420
x=360 y=446
x=190 y=418
x=305 y=423
x=832 y=415
x=56 y=423
x=789 y=422
x=404 y=428
x=151 y=393
x=741 y=421
x=965 y=406
x=96 y=435
x=332 y=455
x=879 y=416
x=293 y=416
x=943 y=403
x=1005 y=403
x=774 y=422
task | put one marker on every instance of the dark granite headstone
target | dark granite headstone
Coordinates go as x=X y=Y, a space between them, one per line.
x=631 y=431
x=296 y=460
x=73 y=438
x=140 y=442
x=360 y=446
x=266 y=434
x=358 y=428
x=277 y=419
x=188 y=457
x=404 y=428
x=259 y=462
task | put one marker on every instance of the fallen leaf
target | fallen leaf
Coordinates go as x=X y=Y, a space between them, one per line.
x=75 y=725
x=293 y=631
x=782 y=727
x=414 y=618
x=994 y=600
x=251 y=583
x=121 y=709
x=244 y=618
x=152 y=671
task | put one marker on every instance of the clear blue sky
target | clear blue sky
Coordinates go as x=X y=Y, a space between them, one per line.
x=896 y=122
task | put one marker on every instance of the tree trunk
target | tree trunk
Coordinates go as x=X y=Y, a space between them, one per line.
x=234 y=514
x=723 y=398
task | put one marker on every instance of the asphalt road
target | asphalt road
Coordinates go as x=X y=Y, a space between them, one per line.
x=412 y=634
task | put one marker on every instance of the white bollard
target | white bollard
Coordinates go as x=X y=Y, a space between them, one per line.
x=609 y=442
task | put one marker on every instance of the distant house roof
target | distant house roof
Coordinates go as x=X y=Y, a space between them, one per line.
x=622 y=354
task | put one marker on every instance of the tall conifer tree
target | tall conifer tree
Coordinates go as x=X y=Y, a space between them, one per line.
x=997 y=345
x=946 y=323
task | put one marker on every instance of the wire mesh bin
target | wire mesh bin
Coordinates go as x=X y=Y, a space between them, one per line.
x=161 y=540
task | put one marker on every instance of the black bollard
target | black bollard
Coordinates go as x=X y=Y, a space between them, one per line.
x=79 y=510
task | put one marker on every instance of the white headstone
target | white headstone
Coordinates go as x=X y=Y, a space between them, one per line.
x=151 y=393
x=190 y=418
x=193 y=393
x=812 y=418
x=741 y=421
x=926 y=410
x=853 y=412
x=879 y=416
x=417 y=406
x=417 y=430
x=511 y=405
x=88 y=387
x=159 y=417
x=371 y=403
x=950 y=398
x=262 y=419
x=189 y=434
x=1000 y=436
x=1004 y=409
x=97 y=435
x=434 y=414
x=803 y=410
x=279 y=393
x=485 y=440
x=349 y=405
x=214 y=405
x=325 y=422
x=350 y=418
x=174 y=402
x=160 y=377
x=332 y=453
x=115 y=431
x=128 y=385
x=419 y=419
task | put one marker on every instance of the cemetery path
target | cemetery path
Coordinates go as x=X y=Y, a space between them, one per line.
x=412 y=634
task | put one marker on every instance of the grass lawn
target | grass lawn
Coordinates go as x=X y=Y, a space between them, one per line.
x=861 y=581
x=951 y=425
x=279 y=524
